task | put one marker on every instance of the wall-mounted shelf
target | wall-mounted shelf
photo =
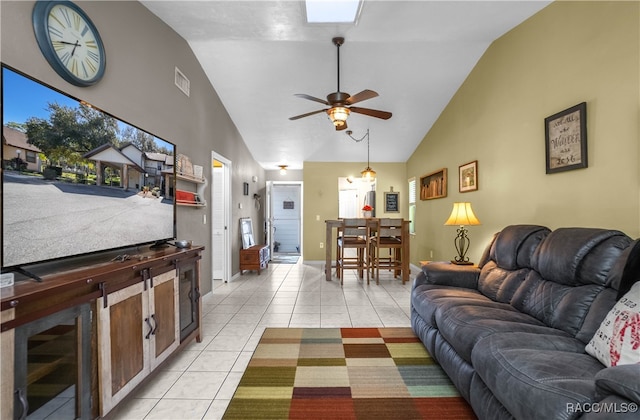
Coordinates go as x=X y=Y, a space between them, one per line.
x=191 y=198
x=433 y=185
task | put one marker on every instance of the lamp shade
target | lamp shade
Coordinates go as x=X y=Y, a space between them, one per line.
x=338 y=115
x=368 y=174
x=461 y=215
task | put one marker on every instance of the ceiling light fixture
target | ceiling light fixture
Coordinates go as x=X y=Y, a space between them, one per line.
x=283 y=169
x=338 y=116
x=368 y=173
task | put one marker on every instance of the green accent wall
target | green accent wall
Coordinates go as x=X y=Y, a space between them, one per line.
x=568 y=53
x=321 y=197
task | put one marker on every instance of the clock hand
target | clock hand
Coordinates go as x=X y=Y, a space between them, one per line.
x=76 y=45
x=65 y=42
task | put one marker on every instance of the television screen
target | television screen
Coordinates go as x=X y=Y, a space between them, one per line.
x=76 y=180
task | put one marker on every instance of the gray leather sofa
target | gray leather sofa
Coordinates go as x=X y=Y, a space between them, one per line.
x=511 y=333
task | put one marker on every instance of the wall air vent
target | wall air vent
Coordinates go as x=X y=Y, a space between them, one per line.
x=182 y=82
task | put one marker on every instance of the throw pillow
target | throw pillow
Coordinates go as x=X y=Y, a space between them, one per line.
x=617 y=341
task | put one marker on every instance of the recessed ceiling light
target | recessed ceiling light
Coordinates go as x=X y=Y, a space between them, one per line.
x=332 y=11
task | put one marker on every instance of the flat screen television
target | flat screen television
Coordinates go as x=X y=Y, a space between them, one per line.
x=77 y=180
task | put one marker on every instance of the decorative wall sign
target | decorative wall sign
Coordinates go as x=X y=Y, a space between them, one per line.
x=468 y=177
x=566 y=139
x=391 y=202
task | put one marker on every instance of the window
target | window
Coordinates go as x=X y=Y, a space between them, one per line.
x=343 y=11
x=31 y=156
x=412 y=205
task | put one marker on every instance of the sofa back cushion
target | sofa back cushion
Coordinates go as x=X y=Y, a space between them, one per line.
x=576 y=256
x=572 y=270
x=557 y=305
x=515 y=245
x=509 y=260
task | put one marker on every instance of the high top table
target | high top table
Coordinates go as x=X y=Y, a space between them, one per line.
x=328 y=245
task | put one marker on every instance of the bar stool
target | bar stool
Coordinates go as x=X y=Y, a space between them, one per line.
x=390 y=234
x=353 y=234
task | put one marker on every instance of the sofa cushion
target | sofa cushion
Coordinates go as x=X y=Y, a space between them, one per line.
x=536 y=373
x=514 y=246
x=465 y=325
x=556 y=305
x=620 y=380
x=576 y=256
x=500 y=284
x=427 y=298
x=597 y=311
x=617 y=341
x=631 y=271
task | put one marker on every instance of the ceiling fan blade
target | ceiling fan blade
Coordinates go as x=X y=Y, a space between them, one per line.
x=371 y=112
x=311 y=98
x=362 y=96
x=297 y=117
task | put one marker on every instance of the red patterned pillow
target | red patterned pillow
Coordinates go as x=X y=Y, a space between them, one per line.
x=617 y=341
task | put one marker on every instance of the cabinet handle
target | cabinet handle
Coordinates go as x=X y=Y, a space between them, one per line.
x=150 y=328
x=23 y=403
x=155 y=324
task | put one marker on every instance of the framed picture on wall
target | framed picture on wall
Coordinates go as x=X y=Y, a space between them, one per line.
x=566 y=139
x=246 y=231
x=468 y=177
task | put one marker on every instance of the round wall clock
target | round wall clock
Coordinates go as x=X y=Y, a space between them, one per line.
x=69 y=41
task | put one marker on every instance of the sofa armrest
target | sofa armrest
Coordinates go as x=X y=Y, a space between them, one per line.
x=447 y=274
x=619 y=380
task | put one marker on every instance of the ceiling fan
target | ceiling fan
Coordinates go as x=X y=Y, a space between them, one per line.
x=340 y=102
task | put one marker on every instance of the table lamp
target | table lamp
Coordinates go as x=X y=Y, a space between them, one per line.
x=462 y=215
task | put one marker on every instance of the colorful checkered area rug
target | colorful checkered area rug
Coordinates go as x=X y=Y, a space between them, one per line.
x=344 y=373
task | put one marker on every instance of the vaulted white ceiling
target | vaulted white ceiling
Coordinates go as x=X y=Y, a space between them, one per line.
x=415 y=54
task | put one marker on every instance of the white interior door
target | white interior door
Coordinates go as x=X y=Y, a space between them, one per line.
x=220 y=217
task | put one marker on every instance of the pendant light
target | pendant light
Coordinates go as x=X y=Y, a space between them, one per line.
x=369 y=174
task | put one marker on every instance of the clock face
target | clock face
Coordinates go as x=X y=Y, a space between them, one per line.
x=69 y=41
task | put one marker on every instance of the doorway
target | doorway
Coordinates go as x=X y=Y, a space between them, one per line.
x=353 y=194
x=220 y=217
x=284 y=218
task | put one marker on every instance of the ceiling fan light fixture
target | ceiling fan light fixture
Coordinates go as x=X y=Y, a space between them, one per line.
x=338 y=115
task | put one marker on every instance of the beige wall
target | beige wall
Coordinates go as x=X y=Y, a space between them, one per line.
x=568 y=53
x=138 y=87
x=321 y=197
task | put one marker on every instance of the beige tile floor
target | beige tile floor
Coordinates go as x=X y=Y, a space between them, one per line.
x=200 y=381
